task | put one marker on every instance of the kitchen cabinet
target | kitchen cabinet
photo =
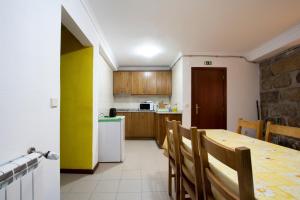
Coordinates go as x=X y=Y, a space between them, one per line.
x=128 y=133
x=122 y=83
x=164 y=83
x=160 y=126
x=138 y=125
x=143 y=83
x=142 y=124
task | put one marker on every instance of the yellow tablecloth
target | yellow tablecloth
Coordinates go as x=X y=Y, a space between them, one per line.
x=276 y=169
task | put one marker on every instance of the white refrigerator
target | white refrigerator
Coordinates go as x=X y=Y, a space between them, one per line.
x=111 y=139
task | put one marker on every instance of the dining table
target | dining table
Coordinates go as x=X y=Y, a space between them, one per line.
x=276 y=169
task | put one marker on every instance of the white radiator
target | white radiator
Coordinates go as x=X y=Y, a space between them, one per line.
x=21 y=178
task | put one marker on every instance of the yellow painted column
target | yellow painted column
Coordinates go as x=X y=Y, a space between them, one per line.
x=76 y=127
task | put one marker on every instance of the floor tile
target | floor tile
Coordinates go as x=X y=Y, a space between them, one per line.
x=130 y=186
x=153 y=185
x=103 y=196
x=129 y=196
x=84 y=186
x=150 y=174
x=107 y=186
x=143 y=175
x=75 y=196
x=131 y=174
x=155 y=196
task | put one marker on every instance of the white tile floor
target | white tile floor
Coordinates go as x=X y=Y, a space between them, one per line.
x=142 y=176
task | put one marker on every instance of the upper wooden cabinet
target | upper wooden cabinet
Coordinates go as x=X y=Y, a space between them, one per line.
x=122 y=82
x=164 y=83
x=143 y=83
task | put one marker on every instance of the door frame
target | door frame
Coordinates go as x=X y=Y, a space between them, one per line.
x=224 y=89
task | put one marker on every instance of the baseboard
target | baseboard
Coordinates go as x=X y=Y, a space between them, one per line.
x=80 y=171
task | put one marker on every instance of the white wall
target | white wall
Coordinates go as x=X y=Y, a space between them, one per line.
x=102 y=89
x=133 y=102
x=177 y=84
x=29 y=77
x=242 y=88
x=103 y=95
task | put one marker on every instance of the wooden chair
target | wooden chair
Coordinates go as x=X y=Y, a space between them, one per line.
x=238 y=159
x=281 y=130
x=173 y=155
x=190 y=169
x=256 y=125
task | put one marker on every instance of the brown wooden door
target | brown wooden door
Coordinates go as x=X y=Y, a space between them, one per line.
x=209 y=98
x=164 y=83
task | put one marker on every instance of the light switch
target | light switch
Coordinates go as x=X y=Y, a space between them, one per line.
x=53 y=102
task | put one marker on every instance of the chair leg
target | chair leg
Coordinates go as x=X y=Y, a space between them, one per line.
x=177 y=182
x=182 y=191
x=170 y=180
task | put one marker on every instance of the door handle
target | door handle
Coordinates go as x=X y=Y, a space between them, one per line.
x=197 y=109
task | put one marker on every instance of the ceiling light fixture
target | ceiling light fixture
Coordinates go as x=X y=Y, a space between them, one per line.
x=148 y=50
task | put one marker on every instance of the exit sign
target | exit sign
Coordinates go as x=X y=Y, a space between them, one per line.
x=208 y=62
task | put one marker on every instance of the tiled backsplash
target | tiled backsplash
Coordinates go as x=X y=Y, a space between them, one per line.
x=133 y=102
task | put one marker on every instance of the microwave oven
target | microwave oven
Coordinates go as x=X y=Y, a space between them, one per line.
x=147 y=106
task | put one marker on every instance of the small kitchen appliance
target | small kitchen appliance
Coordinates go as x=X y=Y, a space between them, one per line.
x=147 y=105
x=112 y=112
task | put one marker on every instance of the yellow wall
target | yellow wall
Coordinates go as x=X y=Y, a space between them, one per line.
x=76 y=128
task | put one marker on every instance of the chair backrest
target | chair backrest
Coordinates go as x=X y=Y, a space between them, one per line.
x=190 y=163
x=173 y=143
x=281 y=130
x=256 y=125
x=238 y=159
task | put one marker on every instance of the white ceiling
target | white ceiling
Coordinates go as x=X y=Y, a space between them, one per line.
x=232 y=27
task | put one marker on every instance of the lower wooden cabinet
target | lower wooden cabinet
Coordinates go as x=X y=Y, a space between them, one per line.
x=160 y=127
x=138 y=125
x=127 y=122
x=142 y=124
x=147 y=125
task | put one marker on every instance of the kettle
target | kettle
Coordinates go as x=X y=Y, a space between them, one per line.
x=112 y=112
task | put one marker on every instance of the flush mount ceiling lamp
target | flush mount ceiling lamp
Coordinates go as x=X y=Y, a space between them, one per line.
x=148 y=50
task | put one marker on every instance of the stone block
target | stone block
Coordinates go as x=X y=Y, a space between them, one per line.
x=282 y=81
x=266 y=72
x=286 y=64
x=294 y=121
x=266 y=84
x=283 y=109
x=291 y=94
x=269 y=97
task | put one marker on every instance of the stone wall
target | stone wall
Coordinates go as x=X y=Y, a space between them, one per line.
x=280 y=92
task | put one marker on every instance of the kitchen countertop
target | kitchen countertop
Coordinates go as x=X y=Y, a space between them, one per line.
x=157 y=112
x=111 y=119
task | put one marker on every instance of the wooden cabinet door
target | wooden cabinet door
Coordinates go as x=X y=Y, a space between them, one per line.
x=164 y=83
x=138 y=83
x=149 y=125
x=128 y=121
x=122 y=83
x=137 y=124
x=142 y=124
x=143 y=83
x=150 y=82
x=161 y=126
